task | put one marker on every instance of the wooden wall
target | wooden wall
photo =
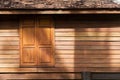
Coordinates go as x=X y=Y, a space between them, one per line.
x=10 y=56
x=91 y=42
x=9 y=42
x=82 y=43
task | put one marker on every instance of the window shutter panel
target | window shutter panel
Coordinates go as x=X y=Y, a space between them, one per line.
x=45 y=42
x=28 y=53
x=37 y=42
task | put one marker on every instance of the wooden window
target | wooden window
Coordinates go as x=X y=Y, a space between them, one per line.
x=37 y=42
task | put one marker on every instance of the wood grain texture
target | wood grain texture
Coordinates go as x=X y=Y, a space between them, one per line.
x=88 y=34
x=104 y=69
x=45 y=43
x=89 y=52
x=90 y=45
x=28 y=53
x=87 y=61
x=86 y=43
x=88 y=38
x=92 y=29
x=39 y=70
x=73 y=53
x=40 y=76
x=87 y=56
x=28 y=35
x=9 y=42
x=89 y=65
x=37 y=41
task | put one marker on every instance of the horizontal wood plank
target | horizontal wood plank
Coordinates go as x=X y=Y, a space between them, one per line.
x=36 y=76
x=12 y=43
x=9 y=47
x=88 y=65
x=17 y=70
x=9 y=65
x=9 y=38
x=98 y=29
x=87 y=56
x=8 y=56
x=87 y=34
x=9 y=31
x=58 y=69
x=69 y=52
x=8 y=34
x=87 y=61
x=8 y=52
x=103 y=69
x=84 y=51
x=88 y=38
x=9 y=61
x=88 y=47
x=86 y=43
x=48 y=70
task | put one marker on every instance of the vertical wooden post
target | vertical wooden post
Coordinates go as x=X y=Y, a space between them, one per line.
x=86 y=75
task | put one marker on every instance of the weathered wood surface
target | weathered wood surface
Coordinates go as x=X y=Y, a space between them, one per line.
x=55 y=11
x=58 y=4
x=40 y=76
x=9 y=42
x=37 y=42
x=75 y=55
x=92 y=44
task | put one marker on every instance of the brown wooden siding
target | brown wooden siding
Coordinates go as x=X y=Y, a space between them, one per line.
x=9 y=42
x=91 y=44
x=10 y=57
x=40 y=76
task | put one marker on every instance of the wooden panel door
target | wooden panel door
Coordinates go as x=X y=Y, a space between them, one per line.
x=45 y=41
x=28 y=54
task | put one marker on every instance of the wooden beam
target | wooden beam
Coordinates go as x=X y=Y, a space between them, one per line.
x=41 y=76
x=60 y=11
x=39 y=70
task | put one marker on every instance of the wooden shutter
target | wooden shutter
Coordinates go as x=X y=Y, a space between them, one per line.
x=28 y=54
x=37 y=42
x=45 y=41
